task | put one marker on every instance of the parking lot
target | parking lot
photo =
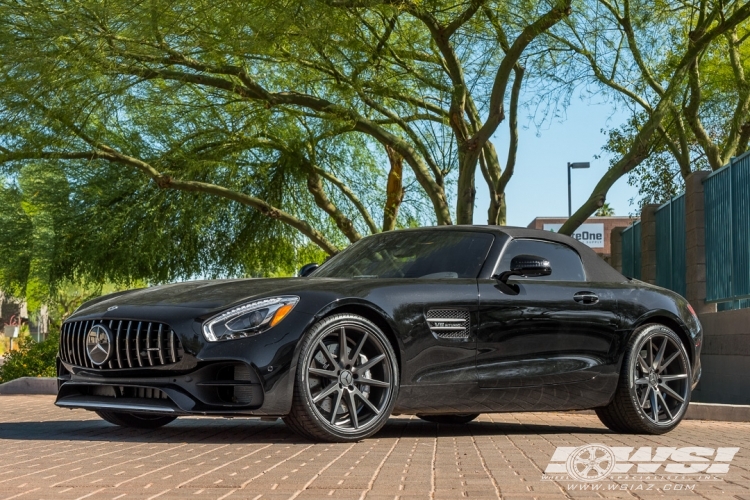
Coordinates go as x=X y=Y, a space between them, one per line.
x=48 y=452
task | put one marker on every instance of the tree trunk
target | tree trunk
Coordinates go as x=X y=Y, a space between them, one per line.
x=394 y=189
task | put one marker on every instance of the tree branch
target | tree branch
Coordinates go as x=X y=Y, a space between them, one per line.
x=315 y=186
x=167 y=182
x=352 y=197
x=642 y=141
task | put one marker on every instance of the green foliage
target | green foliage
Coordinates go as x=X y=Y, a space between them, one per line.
x=605 y=211
x=31 y=359
x=677 y=68
x=169 y=140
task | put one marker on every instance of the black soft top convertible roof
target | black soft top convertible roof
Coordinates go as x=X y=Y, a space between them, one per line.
x=597 y=270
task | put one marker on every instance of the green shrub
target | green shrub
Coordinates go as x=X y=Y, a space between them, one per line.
x=31 y=359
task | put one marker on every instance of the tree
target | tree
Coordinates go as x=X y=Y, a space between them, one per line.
x=647 y=56
x=291 y=110
x=605 y=211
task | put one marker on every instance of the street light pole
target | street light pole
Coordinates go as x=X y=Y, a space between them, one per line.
x=570 y=207
x=581 y=164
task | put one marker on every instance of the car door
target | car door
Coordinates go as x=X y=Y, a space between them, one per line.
x=558 y=329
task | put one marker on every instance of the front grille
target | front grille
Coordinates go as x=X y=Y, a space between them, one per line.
x=449 y=323
x=135 y=344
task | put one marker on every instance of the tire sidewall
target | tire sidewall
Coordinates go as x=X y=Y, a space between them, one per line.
x=632 y=359
x=316 y=333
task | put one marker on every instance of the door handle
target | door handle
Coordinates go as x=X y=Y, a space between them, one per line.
x=586 y=297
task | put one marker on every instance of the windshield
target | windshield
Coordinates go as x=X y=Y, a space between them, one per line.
x=411 y=254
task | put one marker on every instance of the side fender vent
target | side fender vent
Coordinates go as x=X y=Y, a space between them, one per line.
x=449 y=323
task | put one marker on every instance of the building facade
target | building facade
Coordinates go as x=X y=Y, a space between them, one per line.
x=595 y=232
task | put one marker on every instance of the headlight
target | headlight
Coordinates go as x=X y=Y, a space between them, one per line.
x=248 y=319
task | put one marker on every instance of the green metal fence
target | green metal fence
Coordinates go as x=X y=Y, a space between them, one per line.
x=631 y=251
x=727 y=211
x=670 y=245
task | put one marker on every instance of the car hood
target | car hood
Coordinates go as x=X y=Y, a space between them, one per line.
x=201 y=295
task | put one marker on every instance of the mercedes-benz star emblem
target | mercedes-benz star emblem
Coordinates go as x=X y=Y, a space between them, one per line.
x=99 y=344
x=346 y=378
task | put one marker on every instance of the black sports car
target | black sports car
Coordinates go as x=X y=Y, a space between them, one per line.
x=444 y=323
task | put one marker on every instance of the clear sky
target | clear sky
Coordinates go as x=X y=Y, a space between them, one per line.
x=539 y=186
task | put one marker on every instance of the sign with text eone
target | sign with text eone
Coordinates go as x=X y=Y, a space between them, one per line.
x=588 y=234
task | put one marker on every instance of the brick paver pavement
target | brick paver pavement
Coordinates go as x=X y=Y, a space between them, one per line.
x=47 y=452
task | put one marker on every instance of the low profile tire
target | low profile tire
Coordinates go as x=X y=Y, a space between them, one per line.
x=450 y=419
x=135 y=420
x=654 y=390
x=346 y=381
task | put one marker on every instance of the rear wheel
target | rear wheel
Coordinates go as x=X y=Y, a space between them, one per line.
x=135 y=420
x=451 y=419
x=654 y=389
x=346 y=381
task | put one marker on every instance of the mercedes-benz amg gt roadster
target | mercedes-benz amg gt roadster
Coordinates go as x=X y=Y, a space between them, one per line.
x=443 y=323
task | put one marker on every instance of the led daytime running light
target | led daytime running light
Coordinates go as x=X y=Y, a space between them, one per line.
x=277 y=309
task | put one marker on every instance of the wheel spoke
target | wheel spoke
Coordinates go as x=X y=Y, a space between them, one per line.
x=373 y=382
x=641 y=381
x=654 y=407
x=327 y=354
x=672 y=378
x=642 y=362
x=367 y=401
x=650 y=353
x=671 y=392
x=342 y=346
x=660 y=354
x=374 y=361
x=664 y=404
x=352 y=408
x=669 y=360
x=335 y=407
x=601 y=470
x=325 y=393
x=322 y=373
x=358 y=350
x=645 y=396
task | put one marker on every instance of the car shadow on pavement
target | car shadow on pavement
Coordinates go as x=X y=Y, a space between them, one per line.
x=242 y=430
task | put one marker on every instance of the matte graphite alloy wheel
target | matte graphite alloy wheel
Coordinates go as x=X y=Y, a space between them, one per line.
x=346 y=381
x=135 y=420
x=654 y=387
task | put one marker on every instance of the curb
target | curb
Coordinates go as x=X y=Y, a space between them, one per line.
x=718 y=412
x=30 y=385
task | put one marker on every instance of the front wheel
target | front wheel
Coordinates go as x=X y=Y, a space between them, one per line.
x=346 y=381
x=654 y=389
x=135 y=420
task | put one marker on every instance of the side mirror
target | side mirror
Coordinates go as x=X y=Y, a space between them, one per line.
x=528 y=266
x=307 y=269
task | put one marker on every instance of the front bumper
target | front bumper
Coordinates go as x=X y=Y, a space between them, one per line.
x=251 y=376
x=212 y=388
